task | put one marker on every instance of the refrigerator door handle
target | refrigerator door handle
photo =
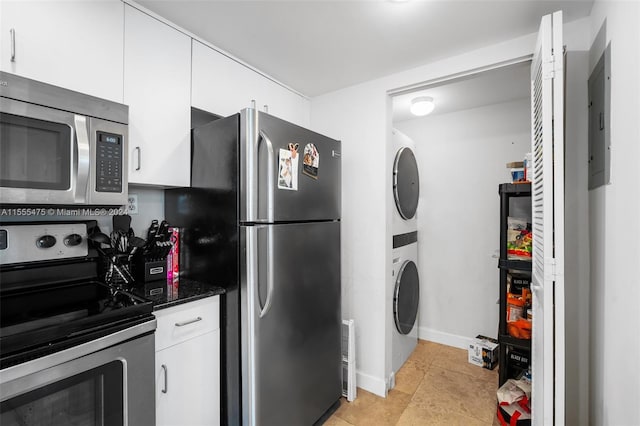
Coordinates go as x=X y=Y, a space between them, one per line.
x=262 y=136
x=253 y=299
x=270 y=283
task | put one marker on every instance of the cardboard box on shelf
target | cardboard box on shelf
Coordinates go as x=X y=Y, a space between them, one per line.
x=483 y=352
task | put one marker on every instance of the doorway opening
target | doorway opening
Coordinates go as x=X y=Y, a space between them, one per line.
x=481 y=121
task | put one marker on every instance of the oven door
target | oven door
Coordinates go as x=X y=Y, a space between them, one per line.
x=113 y=385
x=44 y=155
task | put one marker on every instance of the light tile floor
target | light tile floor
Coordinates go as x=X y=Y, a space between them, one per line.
x=436 y=386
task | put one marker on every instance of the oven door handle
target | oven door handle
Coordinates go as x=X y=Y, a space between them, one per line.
x=16 y=372
x=83 y=159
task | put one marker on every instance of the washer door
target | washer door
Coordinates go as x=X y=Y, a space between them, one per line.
x=406 y=187
x=406 y=296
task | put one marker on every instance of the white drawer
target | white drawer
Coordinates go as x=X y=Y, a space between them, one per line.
x=186 y=321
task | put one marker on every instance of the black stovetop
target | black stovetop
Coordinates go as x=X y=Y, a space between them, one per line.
x=38 y=320
x=51 y=295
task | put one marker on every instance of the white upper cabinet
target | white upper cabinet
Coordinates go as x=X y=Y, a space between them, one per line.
x=220 y=84
x=224 y=86
x=286 y=104
x=73 y=44
x=157 y=88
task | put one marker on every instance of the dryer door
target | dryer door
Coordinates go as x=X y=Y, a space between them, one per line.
x=405 y=297
x=406 y=187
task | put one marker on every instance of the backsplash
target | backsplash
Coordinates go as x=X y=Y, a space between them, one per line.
x=150 y=206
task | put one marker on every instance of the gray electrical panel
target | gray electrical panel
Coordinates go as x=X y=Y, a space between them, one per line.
x=599 y=121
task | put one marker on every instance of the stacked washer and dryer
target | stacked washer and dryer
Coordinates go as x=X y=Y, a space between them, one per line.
x=405 y=280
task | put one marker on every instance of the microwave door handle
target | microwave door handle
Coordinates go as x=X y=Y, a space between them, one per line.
x=83 y=159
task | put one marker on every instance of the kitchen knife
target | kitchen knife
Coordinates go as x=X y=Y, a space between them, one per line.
x=152 y=232
x=163 y=231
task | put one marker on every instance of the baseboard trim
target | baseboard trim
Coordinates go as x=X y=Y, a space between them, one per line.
x=371 y=384
x=462 y=342
x=378 y=386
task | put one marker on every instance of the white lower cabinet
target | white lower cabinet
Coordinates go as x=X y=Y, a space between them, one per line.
x=188 y=364
x=188 y=382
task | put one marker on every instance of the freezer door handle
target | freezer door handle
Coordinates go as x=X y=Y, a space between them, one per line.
x=262 y=136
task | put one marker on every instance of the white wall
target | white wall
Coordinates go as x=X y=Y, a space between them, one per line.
x=462 y=157
x=360 y=117
x=150 y=206
x=576 y=257
x=614 y=222
x=364 y=219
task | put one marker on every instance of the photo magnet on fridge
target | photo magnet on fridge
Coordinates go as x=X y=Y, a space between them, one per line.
x=293 y=147
x=287 y=170
x=311 y=161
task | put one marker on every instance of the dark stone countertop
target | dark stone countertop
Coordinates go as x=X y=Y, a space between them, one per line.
x=188 y=290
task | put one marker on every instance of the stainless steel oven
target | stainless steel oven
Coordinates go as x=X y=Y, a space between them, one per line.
x=73 y=350
x=105 y=382
x=60 y=147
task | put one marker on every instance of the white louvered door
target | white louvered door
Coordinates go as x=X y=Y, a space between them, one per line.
x=547 y=146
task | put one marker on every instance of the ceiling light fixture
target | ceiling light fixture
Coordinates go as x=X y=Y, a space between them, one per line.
x=422 y=105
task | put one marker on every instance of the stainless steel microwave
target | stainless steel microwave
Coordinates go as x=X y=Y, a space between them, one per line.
x=60 y=147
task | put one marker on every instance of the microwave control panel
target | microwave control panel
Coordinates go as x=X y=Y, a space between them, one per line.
x=108 y=162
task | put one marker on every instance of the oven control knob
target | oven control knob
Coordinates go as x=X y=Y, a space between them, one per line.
x=46 y=241
x=72 y=240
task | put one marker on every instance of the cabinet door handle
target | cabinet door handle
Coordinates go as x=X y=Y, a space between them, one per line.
x=12 y=31
x=191 y=321
x=166 y=378
x=139 y=157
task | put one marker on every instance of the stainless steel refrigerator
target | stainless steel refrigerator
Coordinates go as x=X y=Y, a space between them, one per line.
x=262 y=219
